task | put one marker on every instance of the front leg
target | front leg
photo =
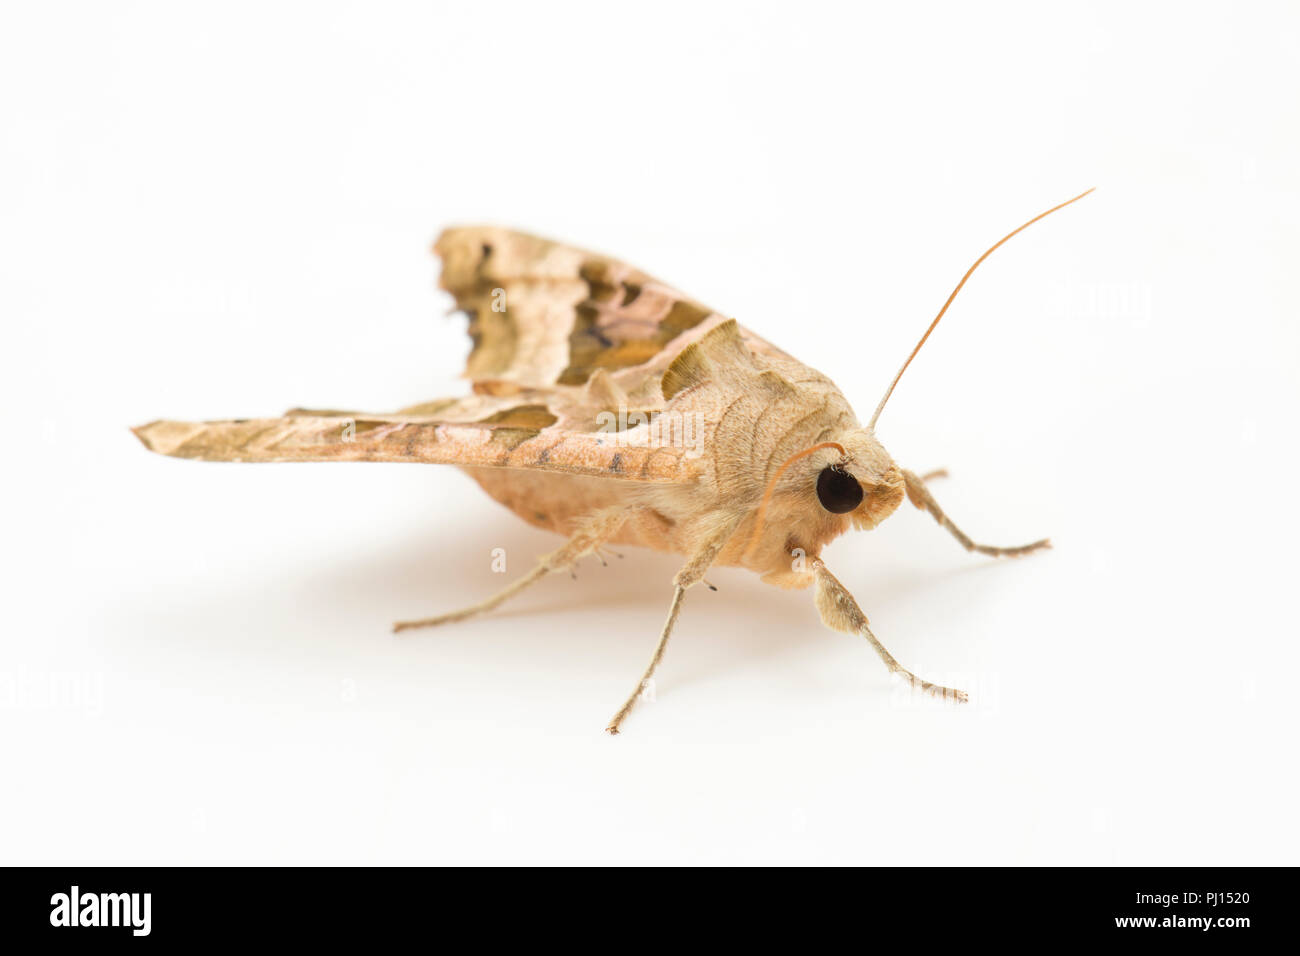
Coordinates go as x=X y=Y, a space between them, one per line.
x=920 y=496
x=840 y=612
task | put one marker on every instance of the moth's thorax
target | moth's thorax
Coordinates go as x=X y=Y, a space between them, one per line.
x=758 y=415
x=754 y=418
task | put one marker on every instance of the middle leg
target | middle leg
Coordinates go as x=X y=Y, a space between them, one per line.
x=692 y=573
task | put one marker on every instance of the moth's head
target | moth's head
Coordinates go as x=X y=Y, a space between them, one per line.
x=863 y=482
x=819 y=493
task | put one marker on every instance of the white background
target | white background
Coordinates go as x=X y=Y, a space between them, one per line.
x=225 y=210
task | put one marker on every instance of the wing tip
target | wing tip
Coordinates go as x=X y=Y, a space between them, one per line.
x=142 y=432
x=166 y=437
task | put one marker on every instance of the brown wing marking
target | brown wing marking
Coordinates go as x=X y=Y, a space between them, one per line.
x=542 y=313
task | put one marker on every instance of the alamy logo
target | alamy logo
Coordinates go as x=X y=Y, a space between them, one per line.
x=101 y=909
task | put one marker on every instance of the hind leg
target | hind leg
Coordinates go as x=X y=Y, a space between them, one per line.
x=594 y=532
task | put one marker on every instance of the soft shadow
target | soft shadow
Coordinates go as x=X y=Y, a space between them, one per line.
x=342 y=607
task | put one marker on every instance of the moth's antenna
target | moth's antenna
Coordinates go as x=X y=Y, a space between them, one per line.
x=890 y=391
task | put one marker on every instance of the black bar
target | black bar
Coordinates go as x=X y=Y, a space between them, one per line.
x=958 y=907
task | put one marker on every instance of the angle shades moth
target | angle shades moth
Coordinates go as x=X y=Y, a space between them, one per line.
x=612 y=409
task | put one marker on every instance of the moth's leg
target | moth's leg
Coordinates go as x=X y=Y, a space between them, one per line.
x=919 y=495
x=929 y=476
x=594 y=532
x=840 y=612
x=691 y=573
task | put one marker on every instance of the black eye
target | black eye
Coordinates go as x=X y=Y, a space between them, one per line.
x=838 y=491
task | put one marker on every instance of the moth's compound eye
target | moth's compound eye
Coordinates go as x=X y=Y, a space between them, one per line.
x=838 y=491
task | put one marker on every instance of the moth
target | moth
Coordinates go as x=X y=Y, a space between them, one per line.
x=612 y=409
